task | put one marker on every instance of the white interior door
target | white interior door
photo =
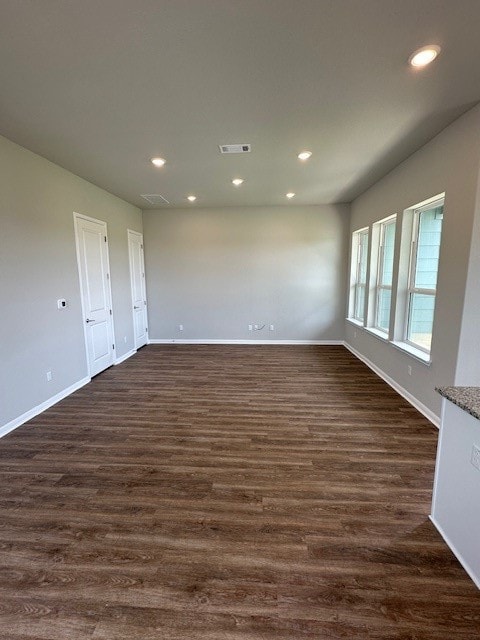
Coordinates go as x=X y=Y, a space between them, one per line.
x=94 y=270
x=137 y=279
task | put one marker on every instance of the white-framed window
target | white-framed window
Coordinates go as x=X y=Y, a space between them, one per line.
x=383 y=286
x=422 y=274
x=358 y=283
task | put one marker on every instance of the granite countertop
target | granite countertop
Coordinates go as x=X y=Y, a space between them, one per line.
x=467 y=398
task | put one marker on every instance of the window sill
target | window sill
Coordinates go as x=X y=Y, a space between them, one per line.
x=381 y=335
x=357 y=323
x=412 y=351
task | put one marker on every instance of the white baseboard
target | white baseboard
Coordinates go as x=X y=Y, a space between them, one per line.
x=28 y=415
x=125 y=356
x=434 y=419
x=211 y=341
x=456 y=553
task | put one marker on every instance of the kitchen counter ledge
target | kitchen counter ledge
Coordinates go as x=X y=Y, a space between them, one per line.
x=467 y=398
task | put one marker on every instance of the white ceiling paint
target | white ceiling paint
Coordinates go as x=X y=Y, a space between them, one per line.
x=101 y=86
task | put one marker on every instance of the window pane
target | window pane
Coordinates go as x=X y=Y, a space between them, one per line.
x=420 y=321
x=360 y=302
x=428 y=248
x=362 y=267
x=359 y=274
x=386 y=270
x=384 y=297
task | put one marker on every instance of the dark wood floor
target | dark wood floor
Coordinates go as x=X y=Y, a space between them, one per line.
x=227 y=493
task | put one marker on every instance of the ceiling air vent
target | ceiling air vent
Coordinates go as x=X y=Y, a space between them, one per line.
x=235 y=148
x=155 y=198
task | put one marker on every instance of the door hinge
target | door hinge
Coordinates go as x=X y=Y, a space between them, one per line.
x=146 y=329
x=141 y=246
x=144 y=302
x=105 y=238
x=113 y=346
x=110 y=312
x=108 y=276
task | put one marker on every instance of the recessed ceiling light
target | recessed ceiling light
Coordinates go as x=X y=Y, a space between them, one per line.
x=158 y=162
x=192 y=198
x=237 y=181
x=424 y=56
x=290 y=194
x=305 y=155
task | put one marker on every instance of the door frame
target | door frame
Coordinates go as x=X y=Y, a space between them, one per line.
x=76 y=218
x=144 y=292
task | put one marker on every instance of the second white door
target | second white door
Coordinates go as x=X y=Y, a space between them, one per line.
x=137 y=279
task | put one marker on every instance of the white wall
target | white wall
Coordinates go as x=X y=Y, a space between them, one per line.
x=468 y=363
x=455 y=510
x=216 y=271
x=38 y=265
x=450 y=163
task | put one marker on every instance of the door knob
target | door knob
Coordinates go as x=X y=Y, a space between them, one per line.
x=88 y=320
x=136 y=307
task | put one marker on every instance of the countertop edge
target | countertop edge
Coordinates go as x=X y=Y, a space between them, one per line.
x=467 y=398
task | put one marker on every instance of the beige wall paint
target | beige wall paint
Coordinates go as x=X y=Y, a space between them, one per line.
x=38 y=265
x=450 y=163
x=215 y=271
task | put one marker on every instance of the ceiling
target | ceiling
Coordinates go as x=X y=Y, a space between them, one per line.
x=101 y=86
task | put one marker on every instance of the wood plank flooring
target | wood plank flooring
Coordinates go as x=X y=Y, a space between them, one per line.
x=227 y=493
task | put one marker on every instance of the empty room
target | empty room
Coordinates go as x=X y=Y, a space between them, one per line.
x=239 y=284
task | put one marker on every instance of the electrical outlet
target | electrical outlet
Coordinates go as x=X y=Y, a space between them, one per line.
x=125 y=339
x=250 y=327
x=475 y=459
x=255 y=326
x=180 y=327
x=409 y=369
x=272 y=328
x=49 y=376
